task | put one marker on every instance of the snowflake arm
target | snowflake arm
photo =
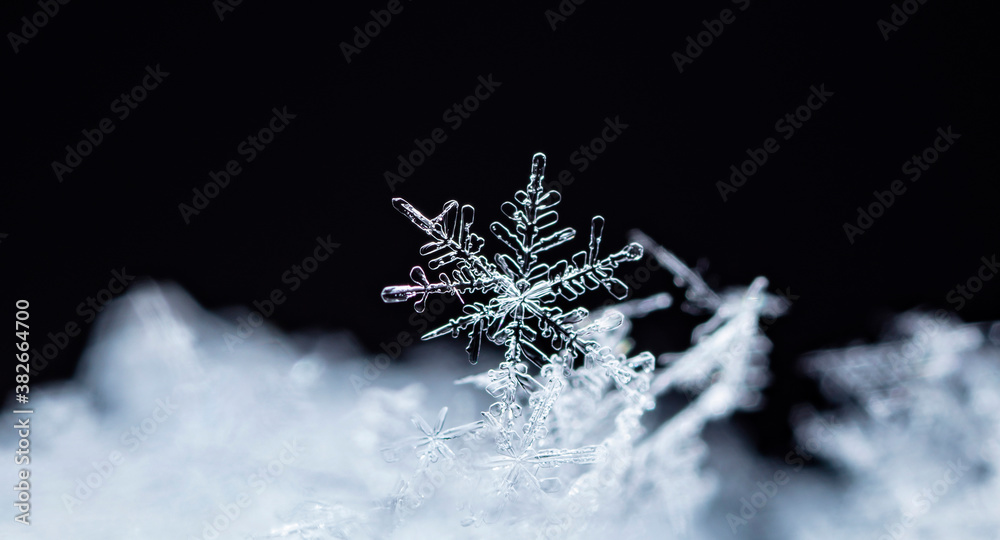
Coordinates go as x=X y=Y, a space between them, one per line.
x=449 y=243
x=531 y=212
x=698 y=292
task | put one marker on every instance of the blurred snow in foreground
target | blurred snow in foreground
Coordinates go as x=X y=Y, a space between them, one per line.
x=167 y=432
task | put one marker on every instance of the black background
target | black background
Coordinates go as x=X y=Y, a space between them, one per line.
x=323 y=175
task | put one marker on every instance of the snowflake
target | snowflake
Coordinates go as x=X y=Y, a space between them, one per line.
x=432 y=445
x=522 y=289
x=516 y=312
x=520 y=458
x=581 y=412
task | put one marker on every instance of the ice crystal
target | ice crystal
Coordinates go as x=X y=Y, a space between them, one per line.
x=572 y=369
x=521 y=289
x=519 y=313
x=433 y=443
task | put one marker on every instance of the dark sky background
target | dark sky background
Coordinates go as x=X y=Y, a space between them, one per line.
x=323 y=174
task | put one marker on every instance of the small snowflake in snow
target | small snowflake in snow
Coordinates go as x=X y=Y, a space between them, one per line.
x=432 y=445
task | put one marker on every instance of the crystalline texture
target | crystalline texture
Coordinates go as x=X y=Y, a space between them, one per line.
x=569 y=396
x=521 y=289
x=518 y=314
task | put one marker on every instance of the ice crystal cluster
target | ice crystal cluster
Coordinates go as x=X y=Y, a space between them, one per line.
x=562 y=447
